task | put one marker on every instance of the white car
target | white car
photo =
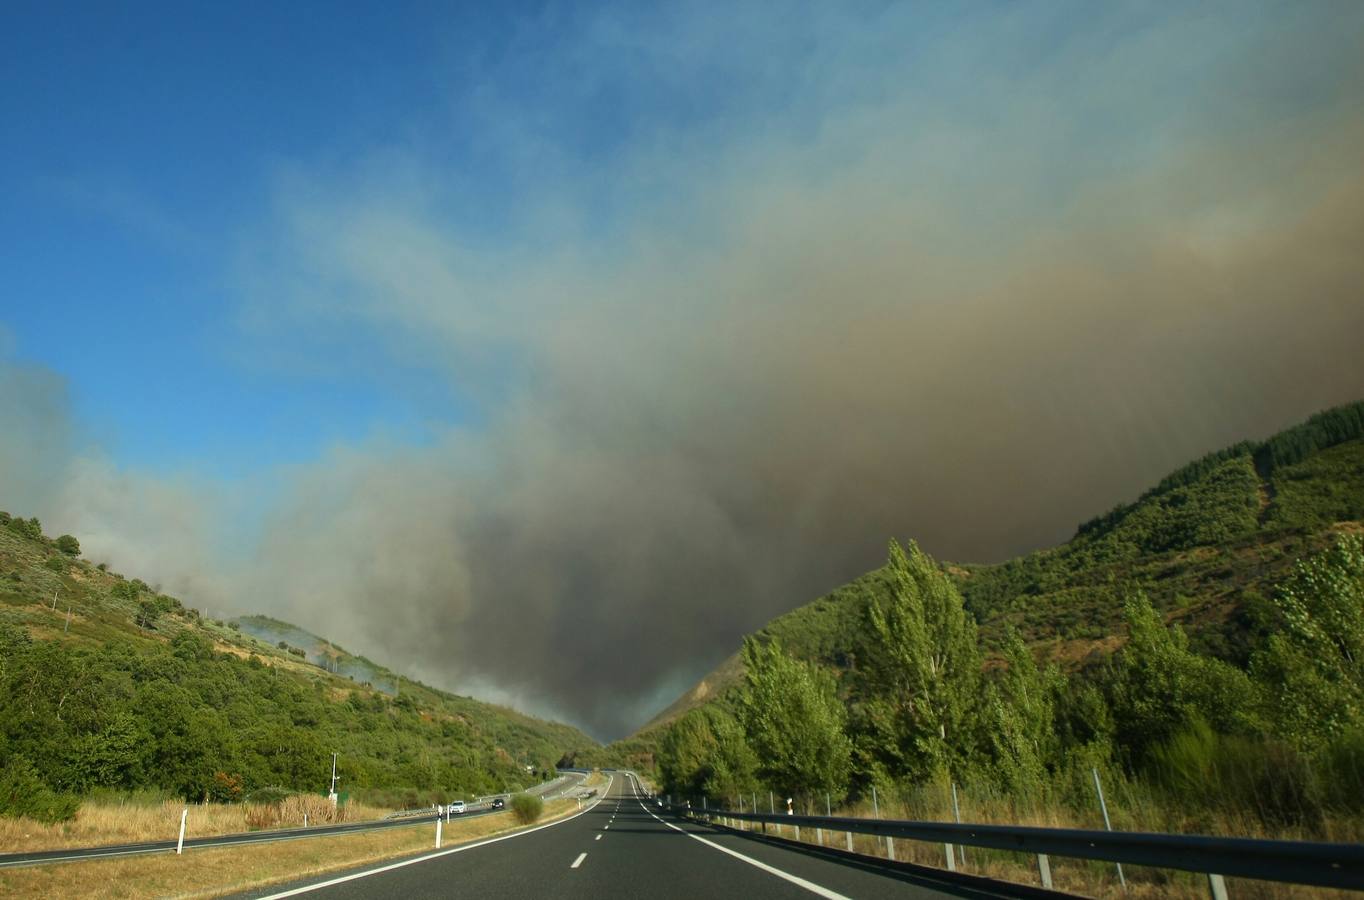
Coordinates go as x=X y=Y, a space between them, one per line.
x=457 y=808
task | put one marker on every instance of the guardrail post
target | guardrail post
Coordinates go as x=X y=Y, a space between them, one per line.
x=1107 y=824
x=1044 y=867
x=890 y=848
x=850 y=846
x=180 y=844
x=876 y=811
x=956 y=811
x=1217 y=886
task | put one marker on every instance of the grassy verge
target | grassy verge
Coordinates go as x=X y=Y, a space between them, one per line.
x=214 y=872
x=100 y=823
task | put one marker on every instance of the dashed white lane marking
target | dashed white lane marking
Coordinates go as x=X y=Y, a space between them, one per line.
x=771 y=870
x=579 y=861
x=597 y=838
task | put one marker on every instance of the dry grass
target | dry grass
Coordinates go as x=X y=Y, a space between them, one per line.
x=215 y=872
x=96 y=824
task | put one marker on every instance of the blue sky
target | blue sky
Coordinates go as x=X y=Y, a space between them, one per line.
x=142 y=143
x=421 y=324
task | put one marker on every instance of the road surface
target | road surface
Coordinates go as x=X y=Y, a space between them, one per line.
x=621 y=847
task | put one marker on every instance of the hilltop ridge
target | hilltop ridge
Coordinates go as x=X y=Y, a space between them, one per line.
x=1205 y=544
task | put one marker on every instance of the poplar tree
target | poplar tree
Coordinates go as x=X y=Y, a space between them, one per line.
x=794 y=722
x=1312 y=670
x=920 y=672
x=1022 y=720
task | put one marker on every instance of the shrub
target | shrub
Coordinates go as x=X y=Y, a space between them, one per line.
x=268 y=794
x=69 y=545
x=225 y=787
x=55 y=563
x=1266 y=777
x=526 y=807
x=24 y=793
x=29 y=528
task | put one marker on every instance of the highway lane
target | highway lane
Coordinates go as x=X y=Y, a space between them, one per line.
x=621 y=847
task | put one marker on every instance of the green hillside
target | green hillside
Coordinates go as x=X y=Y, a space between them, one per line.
x=1207 y=546
x=107 y=683
x=319 y=651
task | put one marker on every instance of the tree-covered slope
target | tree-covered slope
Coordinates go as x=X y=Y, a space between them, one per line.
x=107 y=683
x=1206 y=545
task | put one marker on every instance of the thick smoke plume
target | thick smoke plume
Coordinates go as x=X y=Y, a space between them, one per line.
x=923 y=313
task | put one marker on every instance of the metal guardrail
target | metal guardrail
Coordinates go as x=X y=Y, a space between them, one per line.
x=1294 y=862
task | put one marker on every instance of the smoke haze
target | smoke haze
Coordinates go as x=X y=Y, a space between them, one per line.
x=972 y=294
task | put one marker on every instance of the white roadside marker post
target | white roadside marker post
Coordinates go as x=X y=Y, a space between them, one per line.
x=180 y=844
x=439 y=823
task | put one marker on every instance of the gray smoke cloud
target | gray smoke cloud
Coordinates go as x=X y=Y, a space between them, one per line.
x=974 y=311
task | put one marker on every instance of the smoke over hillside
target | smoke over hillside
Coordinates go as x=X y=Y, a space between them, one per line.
x=710 y=384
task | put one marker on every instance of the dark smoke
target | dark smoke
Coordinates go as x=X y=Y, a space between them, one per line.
x=973 y=311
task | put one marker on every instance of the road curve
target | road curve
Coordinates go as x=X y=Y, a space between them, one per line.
x=623 y=847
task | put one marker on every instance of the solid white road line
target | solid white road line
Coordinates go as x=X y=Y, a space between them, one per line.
x=579 y=861
x=308 y=888
x=771 y=870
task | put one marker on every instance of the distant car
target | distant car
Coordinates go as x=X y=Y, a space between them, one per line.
x=498 y=803
x=457 y=808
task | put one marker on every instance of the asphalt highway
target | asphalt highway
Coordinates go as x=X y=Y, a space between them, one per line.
x=624 y=846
